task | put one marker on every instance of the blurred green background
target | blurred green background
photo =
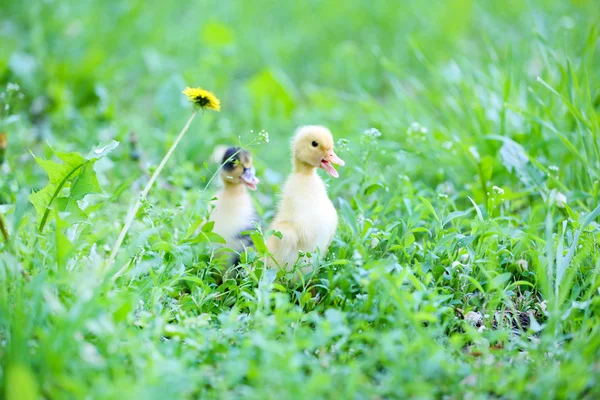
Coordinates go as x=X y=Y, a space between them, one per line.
x=469 y=131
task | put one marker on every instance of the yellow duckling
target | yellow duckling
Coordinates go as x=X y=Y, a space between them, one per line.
x=234 y=212
x=306 y=217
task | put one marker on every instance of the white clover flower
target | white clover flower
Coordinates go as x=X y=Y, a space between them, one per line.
x=523 y=264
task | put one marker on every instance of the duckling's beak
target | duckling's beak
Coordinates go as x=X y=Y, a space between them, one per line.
x=249 y=179
x=328 y=161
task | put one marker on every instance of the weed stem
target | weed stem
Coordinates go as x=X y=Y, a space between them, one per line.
x=144 y=193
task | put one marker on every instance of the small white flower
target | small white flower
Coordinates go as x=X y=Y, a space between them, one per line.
x=497 y=190
x=553 y=168
x=264 y=135
x=12 y=87
x=523 y=264
x=372 y=132
x=374 y=242
x=561 y=200
x=343 y=143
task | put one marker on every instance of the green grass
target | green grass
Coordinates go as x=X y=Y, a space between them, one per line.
x=470 y=134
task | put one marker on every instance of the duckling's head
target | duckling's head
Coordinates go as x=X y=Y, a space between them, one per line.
x=313 y=147
x=236 y=167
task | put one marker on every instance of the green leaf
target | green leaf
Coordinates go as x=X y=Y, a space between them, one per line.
x=349 y=216
x=59 y=177
x=516 y=160
x=259 y=242
x=208 y=227
x=193 y=228
x=477 y=209
x=487 y=168
x=102 y=150
x=20 y=383
x=455 y=214
x=63 y=244
x=85 y=183
x=427 y=204
x=590 y=217
x=206 y=237
x=161 y=246
x=500 y=280
x=75 y=172
x=373 y=188
x=70 y=206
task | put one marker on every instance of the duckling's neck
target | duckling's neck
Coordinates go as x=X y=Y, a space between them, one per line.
x=302 y=168
x=233 y=188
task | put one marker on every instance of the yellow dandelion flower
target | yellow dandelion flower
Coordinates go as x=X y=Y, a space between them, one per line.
x=202 y=98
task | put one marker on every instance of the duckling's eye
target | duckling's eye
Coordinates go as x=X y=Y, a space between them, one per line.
x=314 y=143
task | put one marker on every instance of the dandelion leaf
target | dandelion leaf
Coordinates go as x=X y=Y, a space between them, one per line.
x=70 y=207
x=72 y=179
x=86 y=183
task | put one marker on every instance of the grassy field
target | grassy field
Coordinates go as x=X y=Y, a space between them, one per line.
x=466 y=263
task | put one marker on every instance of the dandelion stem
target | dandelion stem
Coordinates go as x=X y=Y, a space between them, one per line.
x=144 y=193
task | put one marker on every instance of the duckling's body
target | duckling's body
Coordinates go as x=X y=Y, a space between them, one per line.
x=306 y=217
x=232 y=215
x=234 y=211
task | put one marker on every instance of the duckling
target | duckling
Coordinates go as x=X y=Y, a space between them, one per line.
x=306 y=217
x=234 y=212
